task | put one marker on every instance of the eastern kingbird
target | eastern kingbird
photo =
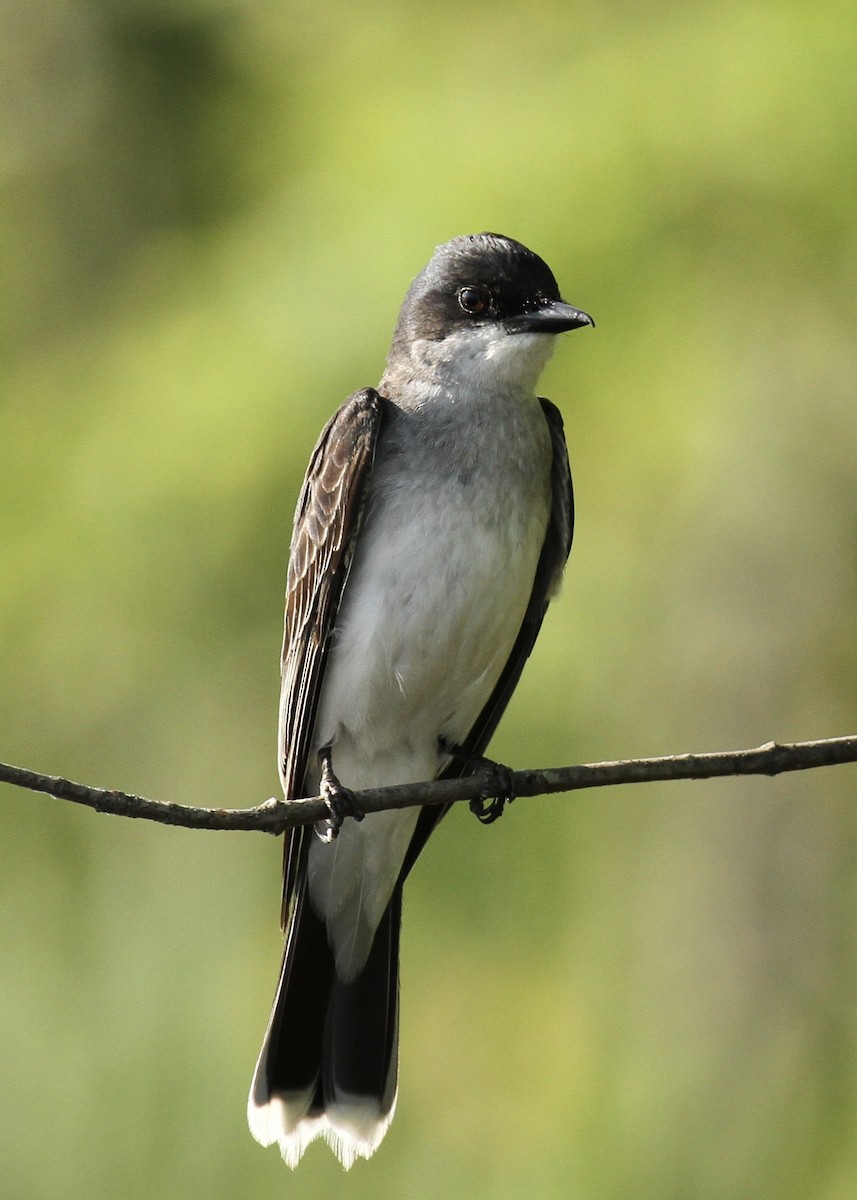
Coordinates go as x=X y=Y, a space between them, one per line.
x=431 y=531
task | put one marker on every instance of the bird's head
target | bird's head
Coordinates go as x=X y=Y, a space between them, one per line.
x=485 y=311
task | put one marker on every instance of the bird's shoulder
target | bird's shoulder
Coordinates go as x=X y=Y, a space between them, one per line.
x=328 y=503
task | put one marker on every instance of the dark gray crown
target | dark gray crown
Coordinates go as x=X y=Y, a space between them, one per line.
x=515 y=279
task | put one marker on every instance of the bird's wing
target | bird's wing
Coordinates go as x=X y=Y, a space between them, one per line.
x=555 y=551
x=327 y=519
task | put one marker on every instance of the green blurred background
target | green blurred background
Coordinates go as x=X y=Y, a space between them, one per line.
x=211 y=213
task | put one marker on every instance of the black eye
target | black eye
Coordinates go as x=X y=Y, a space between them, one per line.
x=474 y=300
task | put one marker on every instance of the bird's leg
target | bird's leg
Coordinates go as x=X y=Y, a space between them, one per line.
x=497 y=788
x=340 y=800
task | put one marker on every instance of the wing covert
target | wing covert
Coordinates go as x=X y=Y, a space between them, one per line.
x=327 y=518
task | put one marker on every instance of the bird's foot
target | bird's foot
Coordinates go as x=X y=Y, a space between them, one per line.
x=497 y=790
x=340 y=800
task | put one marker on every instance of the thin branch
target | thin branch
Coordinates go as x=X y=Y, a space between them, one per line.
x=274 y=816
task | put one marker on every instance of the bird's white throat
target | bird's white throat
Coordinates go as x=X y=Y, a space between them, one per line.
x=485 y=358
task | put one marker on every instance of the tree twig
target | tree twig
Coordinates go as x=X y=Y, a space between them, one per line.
x=274 y=816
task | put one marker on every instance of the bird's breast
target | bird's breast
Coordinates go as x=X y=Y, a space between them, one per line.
x=441 y=578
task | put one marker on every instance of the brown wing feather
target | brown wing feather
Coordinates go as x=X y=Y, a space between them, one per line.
x=326 y=521
x=555 y=551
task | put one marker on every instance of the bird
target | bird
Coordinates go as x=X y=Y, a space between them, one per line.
x=431 y=530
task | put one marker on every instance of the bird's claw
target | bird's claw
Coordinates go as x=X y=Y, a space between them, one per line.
x=497 y=790
x=340 y=801
x=498 y=787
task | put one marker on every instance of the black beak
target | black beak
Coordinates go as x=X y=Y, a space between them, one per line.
x=553 y=317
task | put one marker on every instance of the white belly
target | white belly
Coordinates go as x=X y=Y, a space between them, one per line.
x=431 y=610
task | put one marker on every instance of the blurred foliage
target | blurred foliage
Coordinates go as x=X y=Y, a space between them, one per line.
x=211 y=211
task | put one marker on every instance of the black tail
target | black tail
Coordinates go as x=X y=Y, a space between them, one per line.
x=328 y=1063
